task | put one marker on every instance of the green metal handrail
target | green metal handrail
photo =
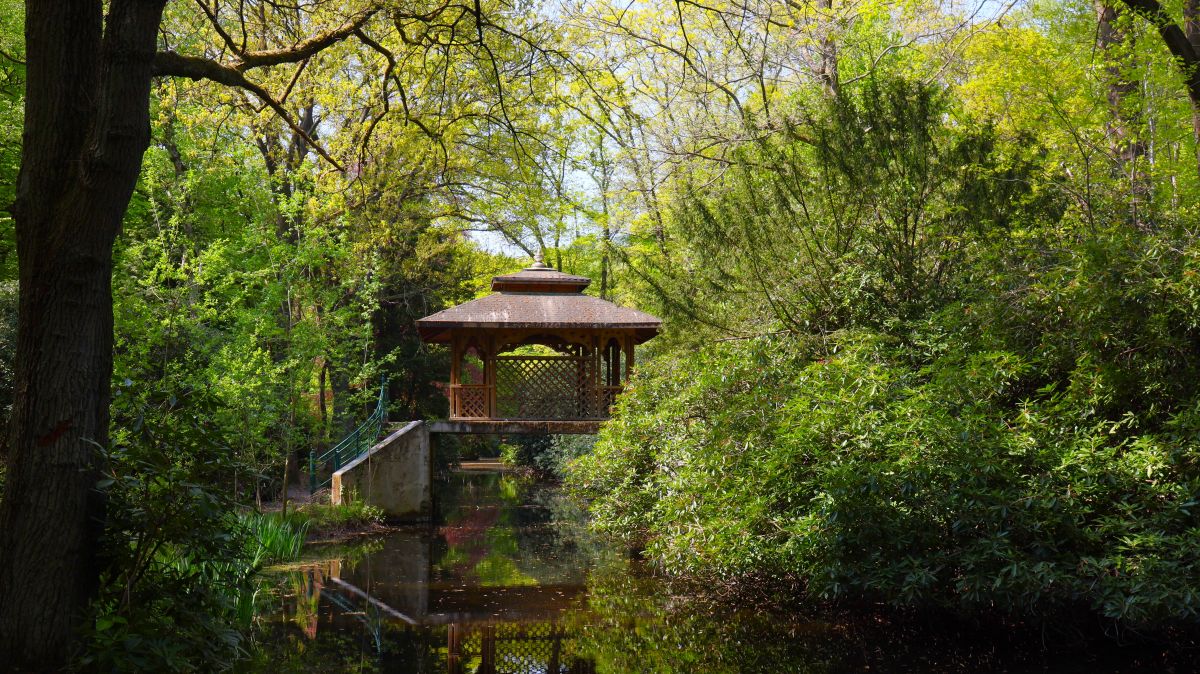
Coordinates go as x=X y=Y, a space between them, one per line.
x=358 y=442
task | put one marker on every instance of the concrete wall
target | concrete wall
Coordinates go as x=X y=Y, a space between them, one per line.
x=395 y=475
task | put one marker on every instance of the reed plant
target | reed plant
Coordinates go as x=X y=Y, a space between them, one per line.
x=275 y=537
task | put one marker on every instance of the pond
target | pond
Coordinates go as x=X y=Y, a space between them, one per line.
x=508 y=580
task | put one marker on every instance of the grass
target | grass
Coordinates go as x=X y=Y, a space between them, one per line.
x=352 y=515
x=277 y=537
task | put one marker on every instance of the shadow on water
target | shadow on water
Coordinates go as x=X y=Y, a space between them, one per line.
x=509 y=581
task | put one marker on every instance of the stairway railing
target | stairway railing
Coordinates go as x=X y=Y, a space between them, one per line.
x=358 y=442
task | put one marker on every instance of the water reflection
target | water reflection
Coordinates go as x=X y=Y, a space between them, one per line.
x=510 y=582
x=482 y=592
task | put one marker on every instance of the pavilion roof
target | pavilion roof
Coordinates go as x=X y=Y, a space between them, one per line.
x=541 y=278
x=538 y=297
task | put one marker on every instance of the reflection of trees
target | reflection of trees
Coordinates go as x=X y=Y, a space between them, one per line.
x=468 y=647
x=632 y=622
x=504 y=530
x=306 y=588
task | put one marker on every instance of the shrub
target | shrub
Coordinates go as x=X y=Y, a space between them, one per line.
x=1031 y=451
x=177 y=587
x=352 y=513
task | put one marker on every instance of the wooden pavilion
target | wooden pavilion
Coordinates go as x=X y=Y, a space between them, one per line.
x=538 y=352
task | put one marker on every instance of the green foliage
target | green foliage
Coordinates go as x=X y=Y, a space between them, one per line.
x=547 y=454
x=12 y=120
x=985 y=461
x=179 y=581
x=564 y=449
x=1014 y=432
x=276 y=537
x=861 y=216
x=178 y=563
x=450 y=449
x=523 y=450
x=352 y=513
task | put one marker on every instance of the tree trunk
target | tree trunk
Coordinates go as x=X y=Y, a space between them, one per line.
x=322 y=403
x=1123 y=128
x=1191 y=29
x=86 y=127
x=343 y=414
x=827 y=69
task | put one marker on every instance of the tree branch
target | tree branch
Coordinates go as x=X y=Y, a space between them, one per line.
x=305 y=48
x=1176 y=40
x=171 y=64
x=12 y=58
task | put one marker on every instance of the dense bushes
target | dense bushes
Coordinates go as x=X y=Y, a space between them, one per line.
x=1015 y=427
x=1030 y=450
x=179 y=556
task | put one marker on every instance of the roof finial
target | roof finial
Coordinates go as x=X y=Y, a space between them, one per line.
x=539 y=261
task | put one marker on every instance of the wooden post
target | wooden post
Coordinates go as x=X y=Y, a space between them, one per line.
x=489 y=374
x=629 y=346
x=595 y=400
x=580 y=406
x=487 y=655
x=454 y=663
x=455 y=359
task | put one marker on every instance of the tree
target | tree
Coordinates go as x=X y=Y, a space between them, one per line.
x=86 y=127
x=1184 y=45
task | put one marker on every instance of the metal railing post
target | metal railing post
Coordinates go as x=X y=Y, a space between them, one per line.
x=312 y=472
x=355 y=444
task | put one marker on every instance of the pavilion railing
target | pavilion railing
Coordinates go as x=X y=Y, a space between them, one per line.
x=549 y=388
x=470 y=401
x=607 y=396
x=358 y=442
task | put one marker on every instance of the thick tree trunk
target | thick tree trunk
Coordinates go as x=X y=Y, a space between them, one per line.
x=86 y=128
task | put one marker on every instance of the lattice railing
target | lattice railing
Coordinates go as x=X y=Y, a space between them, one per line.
x=546 y=387
x=470 y=401
x=513 y=648
x=607 y=398
x=536 y=388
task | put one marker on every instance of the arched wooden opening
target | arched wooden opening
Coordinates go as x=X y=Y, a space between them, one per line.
x=470 y=392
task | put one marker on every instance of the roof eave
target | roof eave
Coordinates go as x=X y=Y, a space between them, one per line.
x=440 y=332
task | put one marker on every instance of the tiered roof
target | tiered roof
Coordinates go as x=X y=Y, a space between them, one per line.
x=538 y=297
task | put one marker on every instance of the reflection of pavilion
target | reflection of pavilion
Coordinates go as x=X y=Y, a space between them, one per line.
x=489 y=630
x=510 y=647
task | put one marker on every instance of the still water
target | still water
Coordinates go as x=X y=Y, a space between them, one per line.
x=509 y=581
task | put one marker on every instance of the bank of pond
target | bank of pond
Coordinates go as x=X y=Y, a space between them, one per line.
x=509 y=579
